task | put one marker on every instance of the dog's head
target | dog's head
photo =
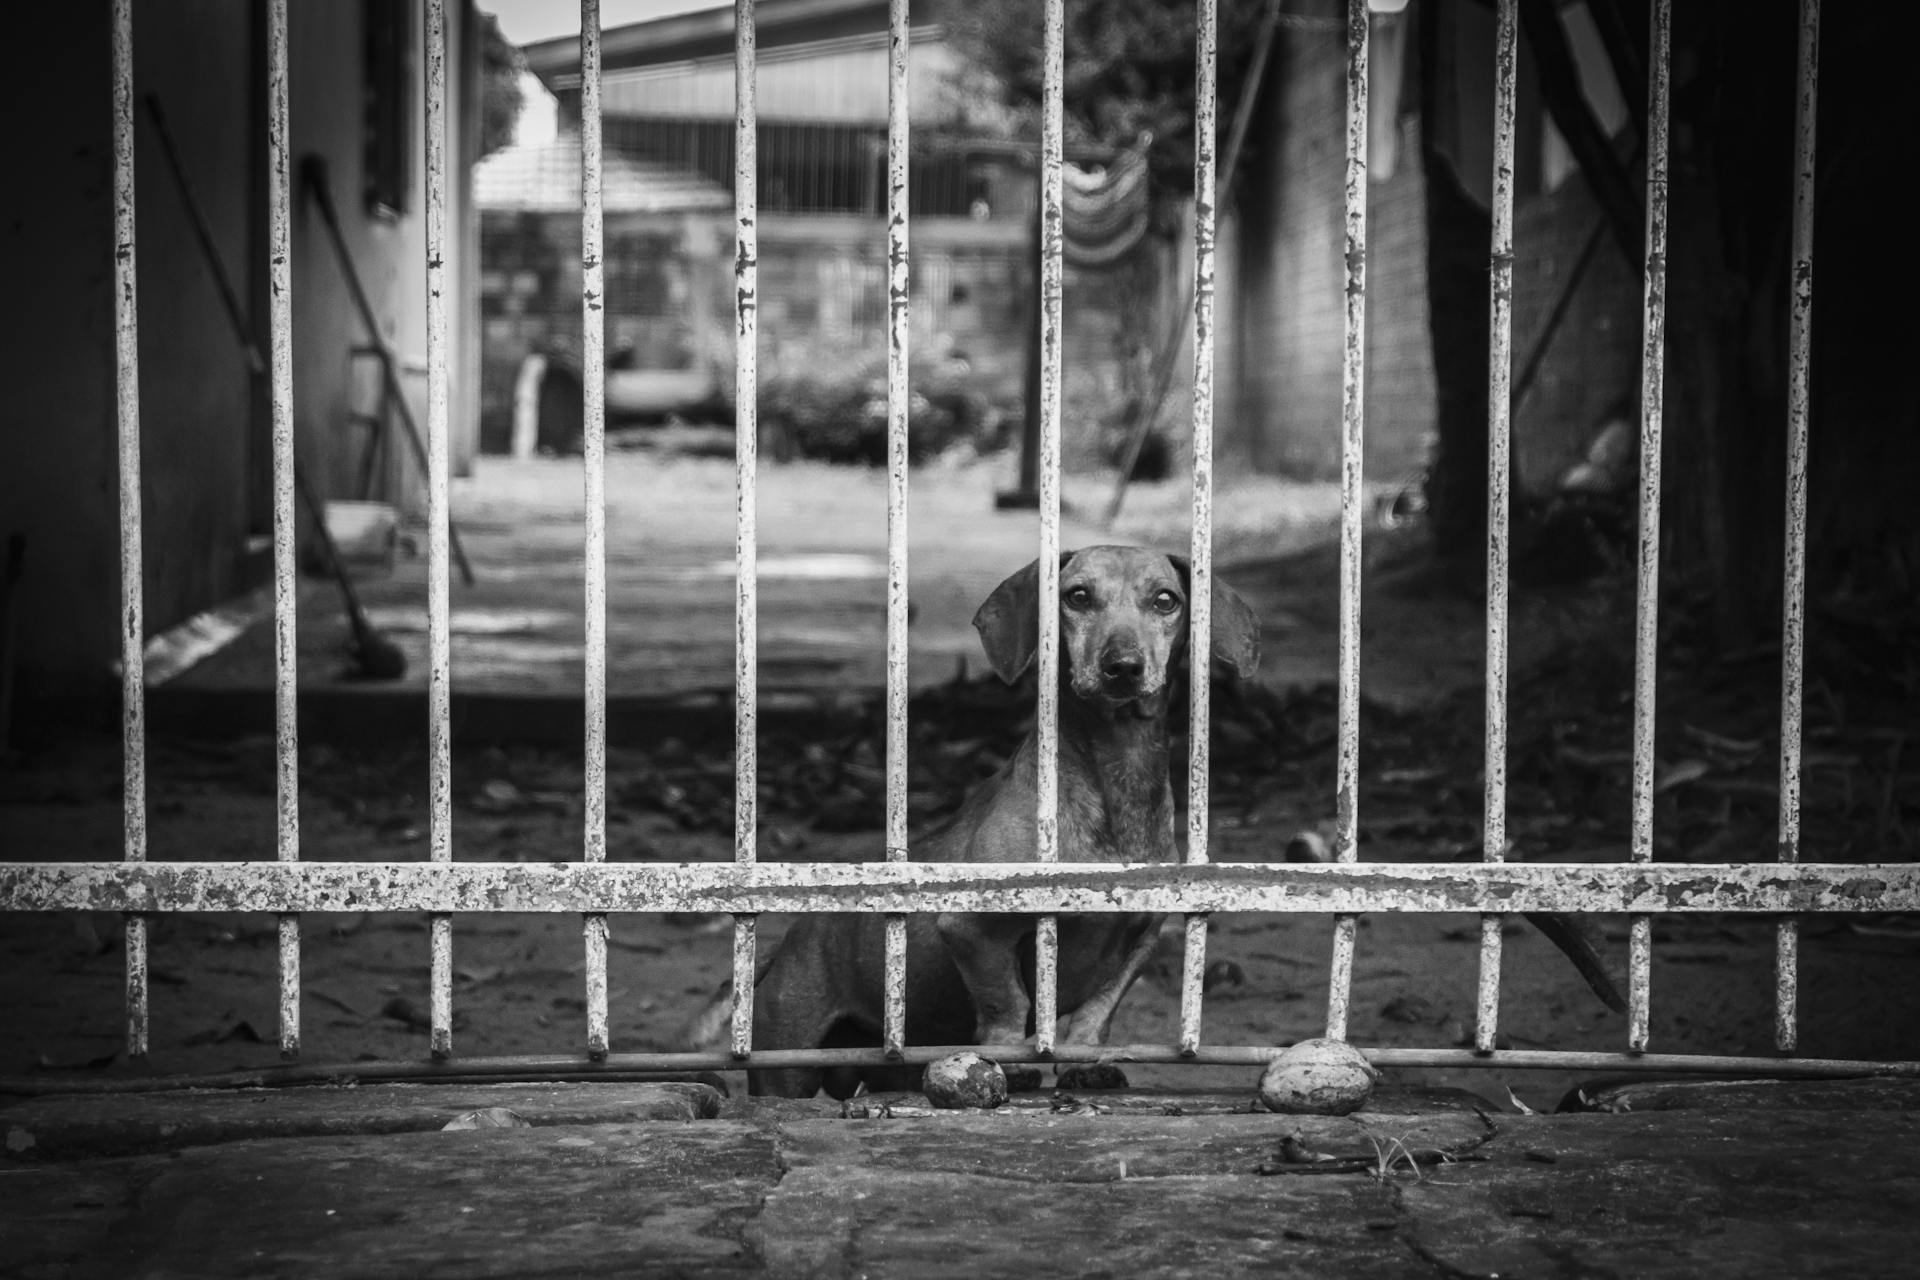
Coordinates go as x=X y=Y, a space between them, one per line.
x=1123 y=623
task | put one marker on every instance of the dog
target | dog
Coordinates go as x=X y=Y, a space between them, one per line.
x=1124 y=636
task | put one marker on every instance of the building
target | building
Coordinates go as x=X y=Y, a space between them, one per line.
x=355 y=104
x=668 y=120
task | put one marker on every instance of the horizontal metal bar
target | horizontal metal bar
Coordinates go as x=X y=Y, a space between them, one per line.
x=746 y=888
x=624 y=1066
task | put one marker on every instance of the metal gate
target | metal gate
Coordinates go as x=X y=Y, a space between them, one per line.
x=1782 y=887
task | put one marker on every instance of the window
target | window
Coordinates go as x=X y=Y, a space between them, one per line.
x=387 y=119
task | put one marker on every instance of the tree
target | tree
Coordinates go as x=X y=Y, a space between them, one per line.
x=1129 y=70
x=501 y=64
x=1731 y=175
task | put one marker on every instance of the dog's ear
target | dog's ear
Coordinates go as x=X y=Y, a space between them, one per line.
x=1009 y=621
x=1236 y=629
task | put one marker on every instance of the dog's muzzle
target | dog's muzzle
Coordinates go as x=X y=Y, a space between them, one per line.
x=1123 y=674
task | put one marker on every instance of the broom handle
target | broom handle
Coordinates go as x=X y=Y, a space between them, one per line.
x=243 y=331
x=203 y=233
x=314 y=170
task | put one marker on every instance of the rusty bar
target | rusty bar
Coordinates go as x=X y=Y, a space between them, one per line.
x=1499 y=452
x=1052 y=296
x=1793 y=625
x=746 y=367
x=899 y=331
x=133 y=696
x=1647 y=607
x=1352 y=499
x=1206 y=44
x=745 y=935
x=915 y=887
x=593 y=380
x=439 y=597
x=646 y=1066
x=285 y=531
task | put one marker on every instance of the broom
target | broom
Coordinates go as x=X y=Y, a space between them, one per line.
x=374 y=656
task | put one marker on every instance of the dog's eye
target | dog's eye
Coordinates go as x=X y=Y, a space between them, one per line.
x=1078 y=597
x=1165 y=601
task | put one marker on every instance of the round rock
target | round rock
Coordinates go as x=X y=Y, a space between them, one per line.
x=1318 y=1078
x=963 y=1080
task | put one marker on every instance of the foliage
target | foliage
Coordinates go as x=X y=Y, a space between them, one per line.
x=1129 y=70
x=840 y=415
x=501 y=63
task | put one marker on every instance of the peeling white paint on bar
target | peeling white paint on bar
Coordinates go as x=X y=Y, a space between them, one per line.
x=1352 y=500
x=745 y=935
x=593 y=378
x=1499 y=477
x=1025 y=888
x=439 y=596
x=126 y=334
x=1647 y=607
x=899 y=333
x=1206 y=44
x=1052 y=295
x=746 y=366
x=1793 y=626
x=286 y=686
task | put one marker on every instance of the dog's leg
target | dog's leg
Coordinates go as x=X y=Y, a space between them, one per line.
x=984 y=950
x=796 y=1005
x=1093 y=1020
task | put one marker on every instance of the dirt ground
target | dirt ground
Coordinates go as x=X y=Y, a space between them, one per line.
x=518 y=978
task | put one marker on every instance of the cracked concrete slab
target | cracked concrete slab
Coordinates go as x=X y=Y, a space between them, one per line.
x=127 y=1124
x=791 y=1189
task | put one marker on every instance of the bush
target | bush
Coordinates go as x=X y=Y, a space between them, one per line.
x=841 y=416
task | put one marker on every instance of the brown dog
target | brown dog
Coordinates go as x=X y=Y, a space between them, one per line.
x=1123 y=630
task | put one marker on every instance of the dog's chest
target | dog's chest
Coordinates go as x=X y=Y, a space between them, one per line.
x=1119 y=820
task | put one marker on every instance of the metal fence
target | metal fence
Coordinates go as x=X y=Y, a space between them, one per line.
x=898 y=885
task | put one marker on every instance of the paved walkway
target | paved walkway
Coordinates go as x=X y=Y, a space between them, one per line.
x=670 y=531
x=518 y=638
x=611 y=1179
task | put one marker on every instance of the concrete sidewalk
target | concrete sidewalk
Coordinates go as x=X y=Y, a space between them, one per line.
x=518 y=636
x=1759 y=1179
x=670 y=568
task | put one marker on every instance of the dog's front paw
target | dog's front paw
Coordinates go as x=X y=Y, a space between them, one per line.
x=1001 y=1033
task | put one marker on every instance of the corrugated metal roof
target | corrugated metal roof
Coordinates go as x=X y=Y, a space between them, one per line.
x=545 y=178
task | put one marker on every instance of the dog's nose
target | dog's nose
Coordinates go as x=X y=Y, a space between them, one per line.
x=1125 y=666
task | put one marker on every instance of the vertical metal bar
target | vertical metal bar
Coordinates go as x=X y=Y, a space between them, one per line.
x=1647 y=609
x=133 y=694
x=1786 y=1030
x=1352 y=421
x=1499 y=442
x=593 y=366
x=285 y=532
x=1206 y=45
x=1052 y=294
x=745 y=933
x=439 y=596
x=899 y=323
x=746 y=337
